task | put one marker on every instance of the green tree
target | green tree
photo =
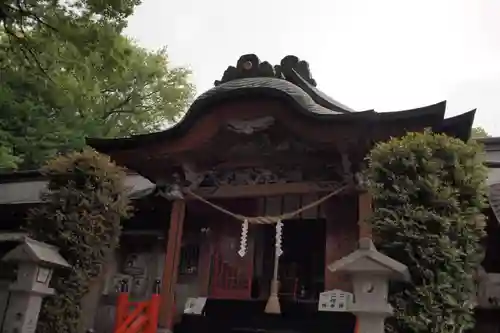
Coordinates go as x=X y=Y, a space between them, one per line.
x=96 y=82
x=68 y=72
x=84 y=205
x=429 y=192
x=479 y=132
x=18 y=18
x=19 y=13
x=7 y=158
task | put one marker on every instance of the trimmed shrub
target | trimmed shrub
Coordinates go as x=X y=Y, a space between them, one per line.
x=84 y=204
x=429 y=193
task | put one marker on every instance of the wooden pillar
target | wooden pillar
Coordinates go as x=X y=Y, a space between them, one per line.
x=172 y=257
x=341 y=237
x=205 y=264
x=364 y=213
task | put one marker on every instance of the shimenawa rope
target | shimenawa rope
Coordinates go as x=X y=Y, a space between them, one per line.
x=267 y=219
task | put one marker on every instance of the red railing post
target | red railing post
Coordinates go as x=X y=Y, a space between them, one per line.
x=152 y=314
x=153 y=309
x=122 y=304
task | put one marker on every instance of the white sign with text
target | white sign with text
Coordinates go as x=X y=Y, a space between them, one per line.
x=334 y=301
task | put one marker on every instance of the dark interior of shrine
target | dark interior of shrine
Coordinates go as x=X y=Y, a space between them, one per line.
x=301 y=268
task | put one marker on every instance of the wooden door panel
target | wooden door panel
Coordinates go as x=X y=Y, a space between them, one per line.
x=231 y=274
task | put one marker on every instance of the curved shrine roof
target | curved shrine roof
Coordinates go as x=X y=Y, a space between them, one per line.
x=292 y=83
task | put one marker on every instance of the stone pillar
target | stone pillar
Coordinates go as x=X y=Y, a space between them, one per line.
x=370 y=272
x=36 y=262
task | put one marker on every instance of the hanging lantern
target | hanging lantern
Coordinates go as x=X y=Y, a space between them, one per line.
x=243 y=239
x=279 y=236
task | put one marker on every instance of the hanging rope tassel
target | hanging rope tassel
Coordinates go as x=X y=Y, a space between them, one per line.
x=243 y=239
x=273 y=303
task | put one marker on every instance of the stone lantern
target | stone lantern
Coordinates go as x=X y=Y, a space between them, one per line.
x=36 y=261
x=370 y=272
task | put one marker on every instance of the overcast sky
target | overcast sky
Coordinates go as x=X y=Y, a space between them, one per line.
x=386 y=55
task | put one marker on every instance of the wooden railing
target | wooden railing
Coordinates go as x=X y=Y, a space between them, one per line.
x=137 y=317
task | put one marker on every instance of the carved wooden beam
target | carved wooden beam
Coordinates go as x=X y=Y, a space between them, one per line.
x=240 y=191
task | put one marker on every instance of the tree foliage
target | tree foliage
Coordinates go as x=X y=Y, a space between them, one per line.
x=94 y=82
x=19 y=16
x=479 y=132
x=429 y=192
x=85 y=201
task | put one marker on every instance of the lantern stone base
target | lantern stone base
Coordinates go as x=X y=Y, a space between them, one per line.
x=371 y=317
x=370 y=323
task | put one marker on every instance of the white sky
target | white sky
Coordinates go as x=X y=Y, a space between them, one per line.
x=384 y=54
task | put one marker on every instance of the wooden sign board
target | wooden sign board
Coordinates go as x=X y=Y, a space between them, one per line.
x=195 y=305
x=334 y=301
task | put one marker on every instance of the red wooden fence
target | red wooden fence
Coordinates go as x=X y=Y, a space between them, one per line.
x=137 y=317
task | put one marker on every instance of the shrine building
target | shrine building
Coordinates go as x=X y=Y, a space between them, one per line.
x=251 y=196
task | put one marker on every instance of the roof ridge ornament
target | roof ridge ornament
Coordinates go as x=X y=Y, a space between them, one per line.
x=249 y=65
x=291 y=63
